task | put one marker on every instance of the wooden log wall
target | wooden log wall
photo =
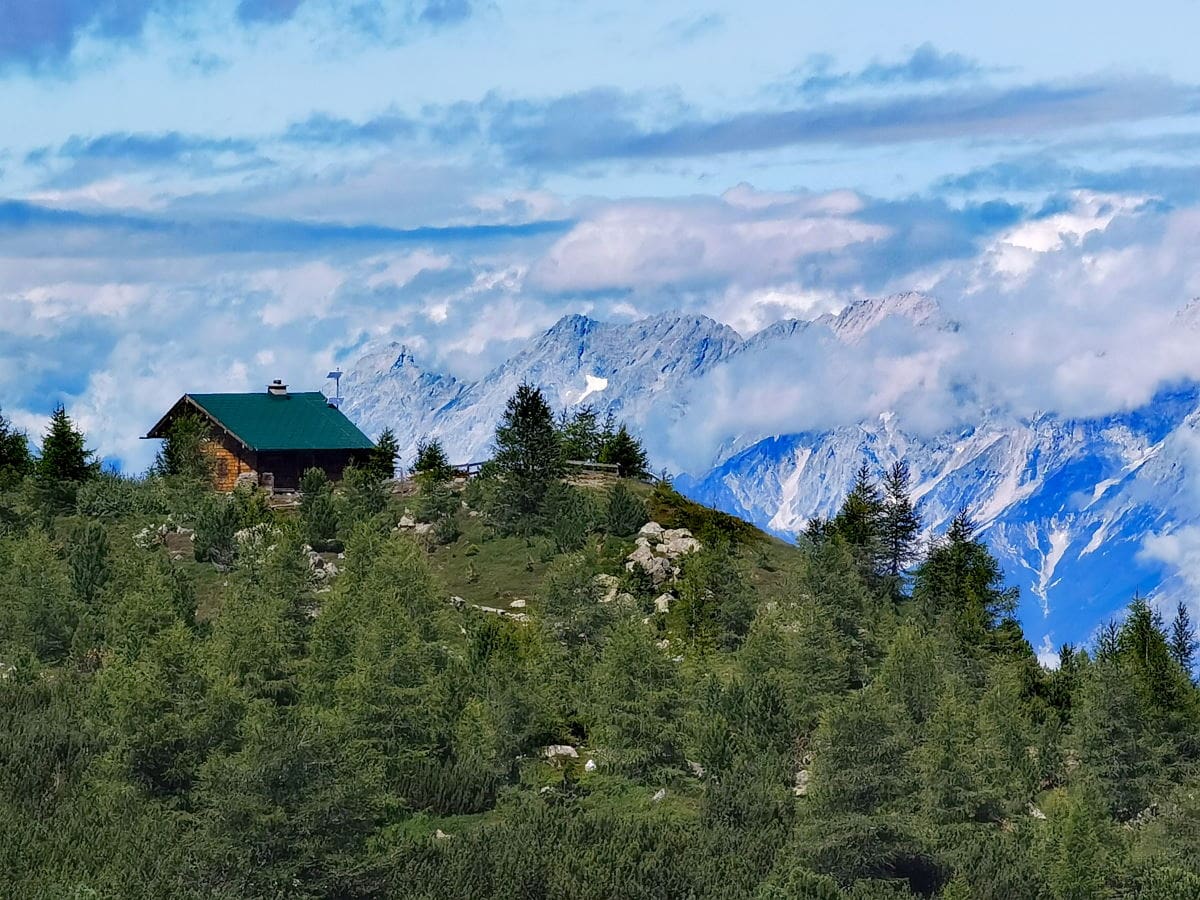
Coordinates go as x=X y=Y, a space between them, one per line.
x=227 y=465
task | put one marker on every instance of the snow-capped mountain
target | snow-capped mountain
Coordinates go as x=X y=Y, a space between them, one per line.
x=623 y=368
x=1073 y=507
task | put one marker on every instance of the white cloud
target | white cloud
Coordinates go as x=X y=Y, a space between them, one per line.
x=303 y=291
x=1047 y=653
x=743 y=237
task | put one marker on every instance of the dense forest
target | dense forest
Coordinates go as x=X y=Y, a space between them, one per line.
x=442 y=688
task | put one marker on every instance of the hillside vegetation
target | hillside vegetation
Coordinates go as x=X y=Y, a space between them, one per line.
x=511 y=687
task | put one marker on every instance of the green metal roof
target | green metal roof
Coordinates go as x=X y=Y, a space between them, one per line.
x=264 y=421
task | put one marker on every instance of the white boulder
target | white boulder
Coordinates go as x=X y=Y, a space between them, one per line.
x=651 y=531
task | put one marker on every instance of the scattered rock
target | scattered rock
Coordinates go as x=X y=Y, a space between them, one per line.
x=664 y=644
x=662 y=603
x=609 y=584
x=680 y=546
x=659 y=796
x=440 y=835
x=800 y=787
x=407 y=521
x=651 y=530
x=1034 y=812
x=560 y=751
x=672 y=533
x=517 y=604
x=589 y=766
x=423 y=528
x=697 y=769
x=658 y=568
x=458 y=602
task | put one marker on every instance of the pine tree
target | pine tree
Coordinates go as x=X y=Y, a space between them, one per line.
x=384 y=456
x=580 y=434
x=860 y=520
x=1183 y=640
x=634 y=702
x=961 y=579
x=15 y=459
x=528 y=459
x=1143 y=647
x=899 y=525
x=431 y=461
x=65 y=457
x=626 y=452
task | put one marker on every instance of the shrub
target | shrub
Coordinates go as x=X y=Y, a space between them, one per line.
x=111 y=496
x=216 y=524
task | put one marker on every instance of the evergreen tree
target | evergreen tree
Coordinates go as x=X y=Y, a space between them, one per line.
x=88 y=559
x=318 y=512
x=626 y=452
x=1183 y=640
x=364 y=494
x=860 y=521
x=216 y=524
x=65 y=461
x=528 y=459
x=625 y=512
x=431 y=461
x=385 y=455
x=580 y=434
x=633 y=703
x=962 y=580
x=1118 y=753
x=1143 y=646
x=569 y=517
x=183 y=451
x=15 y=459
x=899 y=525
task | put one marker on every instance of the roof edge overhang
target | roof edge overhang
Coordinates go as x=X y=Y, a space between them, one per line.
x=158 y=432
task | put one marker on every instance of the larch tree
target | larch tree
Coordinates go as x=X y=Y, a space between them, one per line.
x=528 y=458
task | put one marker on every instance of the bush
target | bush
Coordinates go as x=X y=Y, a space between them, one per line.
x=216 y=524
x=111 y=496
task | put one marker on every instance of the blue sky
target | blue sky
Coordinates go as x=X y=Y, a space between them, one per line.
x=206 y=195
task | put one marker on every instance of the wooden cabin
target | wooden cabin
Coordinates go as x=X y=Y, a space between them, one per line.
x=273 y=436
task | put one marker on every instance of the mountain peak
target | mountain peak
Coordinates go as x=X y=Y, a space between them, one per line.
x=574 y=325
x=862 y=316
